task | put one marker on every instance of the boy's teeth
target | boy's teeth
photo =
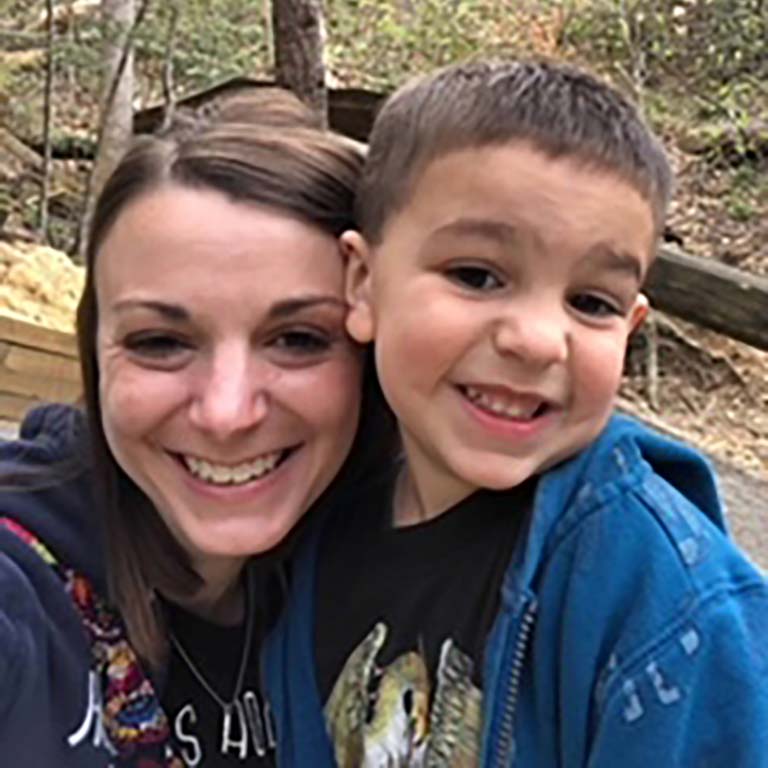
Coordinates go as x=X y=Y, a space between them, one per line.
x=502 y=406
x=221 y=474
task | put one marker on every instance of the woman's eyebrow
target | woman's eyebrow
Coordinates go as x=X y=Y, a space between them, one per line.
x=289 y=307
x=177 y=313
x=174 y=312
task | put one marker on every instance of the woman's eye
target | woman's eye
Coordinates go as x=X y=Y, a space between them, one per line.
x=302 y=342
x=476 y=278
x=156 y=346
x=594 y=306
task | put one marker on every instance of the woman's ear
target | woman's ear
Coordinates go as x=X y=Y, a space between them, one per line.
x=357 y=256
x=639 y=313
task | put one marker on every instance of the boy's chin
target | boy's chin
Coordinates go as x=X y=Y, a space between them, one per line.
x=501 y=473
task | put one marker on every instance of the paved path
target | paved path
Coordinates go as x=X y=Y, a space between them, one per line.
x=746 y=498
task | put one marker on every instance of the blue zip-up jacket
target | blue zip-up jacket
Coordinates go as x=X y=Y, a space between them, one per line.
x=632 y=633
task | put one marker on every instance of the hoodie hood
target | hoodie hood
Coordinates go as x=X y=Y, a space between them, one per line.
x=624 y=453
x=46 y=485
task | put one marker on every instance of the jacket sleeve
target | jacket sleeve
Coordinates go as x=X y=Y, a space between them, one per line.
x=26 y=728
x=43 y=676
x=698 y=699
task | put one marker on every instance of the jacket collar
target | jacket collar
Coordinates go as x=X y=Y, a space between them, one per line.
x=624 y=454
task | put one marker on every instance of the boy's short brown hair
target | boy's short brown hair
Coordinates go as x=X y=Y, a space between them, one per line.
x=561 y=110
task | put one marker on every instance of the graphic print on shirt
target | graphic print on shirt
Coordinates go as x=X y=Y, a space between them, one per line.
x=379 y=717
x=245 y=733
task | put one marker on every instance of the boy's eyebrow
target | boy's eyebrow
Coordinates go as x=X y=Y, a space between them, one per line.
x=616 y=261
x=490 y=229
x=179 y=314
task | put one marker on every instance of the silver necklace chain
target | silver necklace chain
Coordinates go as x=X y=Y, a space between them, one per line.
x=225 y=705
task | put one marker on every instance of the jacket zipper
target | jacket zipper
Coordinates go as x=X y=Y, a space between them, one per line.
x=505 y=746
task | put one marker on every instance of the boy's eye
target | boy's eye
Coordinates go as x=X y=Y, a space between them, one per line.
x=156 y=346
x=594 y=306
x=474 y=277
x=302 y=342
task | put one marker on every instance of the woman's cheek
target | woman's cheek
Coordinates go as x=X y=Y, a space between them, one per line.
x=338 y=389
x=134 y=400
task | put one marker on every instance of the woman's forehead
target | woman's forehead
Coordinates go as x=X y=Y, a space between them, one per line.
x=201 y=244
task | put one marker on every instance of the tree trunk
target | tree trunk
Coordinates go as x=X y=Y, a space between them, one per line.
x=299 y=36
x=169 y=87
x=119 y=21
x=118 y=17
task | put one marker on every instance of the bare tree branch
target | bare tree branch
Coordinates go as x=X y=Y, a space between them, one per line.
x=13 y=40
x=47 y=117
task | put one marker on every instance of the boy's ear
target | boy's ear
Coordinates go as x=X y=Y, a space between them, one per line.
x=639 y=313
x=357 y=286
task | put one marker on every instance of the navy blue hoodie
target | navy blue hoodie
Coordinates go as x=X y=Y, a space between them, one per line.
x=44 y=656
x=51 y=700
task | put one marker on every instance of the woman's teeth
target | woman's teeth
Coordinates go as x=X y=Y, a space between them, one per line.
x=239 y=474
x=510 y=408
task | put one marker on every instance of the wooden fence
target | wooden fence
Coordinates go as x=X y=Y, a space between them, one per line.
x=712 y=295
x=36 y=365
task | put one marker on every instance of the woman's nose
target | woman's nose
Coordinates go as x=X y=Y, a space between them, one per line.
x=232 y=397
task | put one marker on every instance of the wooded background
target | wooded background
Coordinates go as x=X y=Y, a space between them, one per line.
x=77 y=75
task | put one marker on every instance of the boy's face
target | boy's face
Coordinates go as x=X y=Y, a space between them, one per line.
x=500 y=300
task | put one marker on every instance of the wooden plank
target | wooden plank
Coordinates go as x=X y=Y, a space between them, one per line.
x=35 y=362
x=14 y=407
x=26 y=385
x=37 y=337
x=711 y=294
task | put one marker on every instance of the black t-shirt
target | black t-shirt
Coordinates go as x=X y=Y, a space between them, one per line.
x=402 y=617
x=196 y=719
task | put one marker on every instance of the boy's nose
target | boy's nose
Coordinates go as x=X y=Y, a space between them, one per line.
x=536 y=337
x=231 y=398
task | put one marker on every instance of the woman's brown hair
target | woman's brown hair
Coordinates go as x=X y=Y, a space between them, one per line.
x=251 y=152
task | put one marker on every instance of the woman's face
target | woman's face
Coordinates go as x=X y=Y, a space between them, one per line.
x=229 y=390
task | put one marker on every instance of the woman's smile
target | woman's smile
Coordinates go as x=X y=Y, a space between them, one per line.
x=239 y=473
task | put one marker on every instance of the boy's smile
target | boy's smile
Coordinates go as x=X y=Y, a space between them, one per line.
x=500 y=299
